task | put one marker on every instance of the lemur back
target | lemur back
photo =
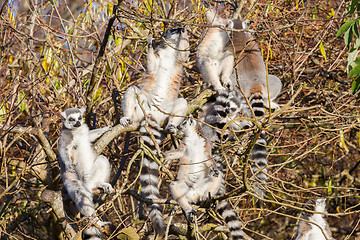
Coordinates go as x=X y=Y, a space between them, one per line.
x=81 y=169
x=159 y=90
x=199 y=176
x=308 y=231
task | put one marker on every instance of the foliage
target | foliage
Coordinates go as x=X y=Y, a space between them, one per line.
x=49 y=51
x=352 y=42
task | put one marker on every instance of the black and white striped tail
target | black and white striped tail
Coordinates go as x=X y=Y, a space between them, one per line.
x=258 y=166
x=227 y=104
x=149 y=175
x=257 y=103
x=227 y=213
x=234 y=225
x=259 y=153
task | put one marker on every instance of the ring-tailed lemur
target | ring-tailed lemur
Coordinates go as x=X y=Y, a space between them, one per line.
x=215 y=60
x=199 y=176
x=159 y=90
x=81 y=169
x=308 y=231
x=248 y=69
x=221 y=51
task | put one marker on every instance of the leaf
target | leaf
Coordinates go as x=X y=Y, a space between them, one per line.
x=354 y=72
x=355 y=30
x=128 y=234
x=355 y=85
x=348 y=37
x=322 y=51
x=351 y=61
x=342 y=142
x=344 y=27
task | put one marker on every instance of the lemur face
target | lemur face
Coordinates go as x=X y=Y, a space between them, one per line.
x=320 y=205
x=173 y=35
x=73 y=117
x=188 y=124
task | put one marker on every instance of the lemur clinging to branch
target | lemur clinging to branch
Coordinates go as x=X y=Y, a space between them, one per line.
x=159 y=90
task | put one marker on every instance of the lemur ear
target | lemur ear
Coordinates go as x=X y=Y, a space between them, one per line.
x=82 y=110
x=63 y=115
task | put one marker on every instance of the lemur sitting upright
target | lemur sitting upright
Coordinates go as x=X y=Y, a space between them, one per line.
x=81 y=169
x=199 y=176
x=153 y=101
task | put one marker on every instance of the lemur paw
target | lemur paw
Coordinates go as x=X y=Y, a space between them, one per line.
x=171 y=129
x=108 y=189
x=190 y=216
x=125 y=121
x=214 y=172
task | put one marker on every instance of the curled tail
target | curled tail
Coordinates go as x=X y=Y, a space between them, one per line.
x=259 y=153
x=227 y=213
x=149 y=175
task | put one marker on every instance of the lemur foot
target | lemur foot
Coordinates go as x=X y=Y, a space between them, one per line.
x=190 y=216
x=125 y=121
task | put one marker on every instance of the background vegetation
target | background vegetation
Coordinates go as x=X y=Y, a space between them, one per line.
x=53 y=56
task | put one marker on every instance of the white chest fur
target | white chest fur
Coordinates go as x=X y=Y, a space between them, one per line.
x=83 y=155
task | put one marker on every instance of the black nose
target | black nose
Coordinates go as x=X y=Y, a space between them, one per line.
x=77 y=124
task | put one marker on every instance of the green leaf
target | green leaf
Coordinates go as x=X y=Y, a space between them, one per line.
x=344 y=27
x=348 y=37
x=355 y=29
x=354 y=72
x=355 y=85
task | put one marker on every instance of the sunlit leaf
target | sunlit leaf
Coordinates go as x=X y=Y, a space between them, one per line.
x=322 y=51
x=342 y=142
x=344 y=27
x=354 y=72
x=348 y=37
x=128 y=234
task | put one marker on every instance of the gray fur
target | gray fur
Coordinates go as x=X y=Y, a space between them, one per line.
x=81 y=169
x=159 y=90
x=200 y=176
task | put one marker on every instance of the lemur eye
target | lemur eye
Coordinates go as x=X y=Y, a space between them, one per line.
x=80 y=118
x=71 y=119
x=233 y=109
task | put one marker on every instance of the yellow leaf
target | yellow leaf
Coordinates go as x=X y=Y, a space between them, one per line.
x=322 y=51
x=342 y=142
x=128 y=234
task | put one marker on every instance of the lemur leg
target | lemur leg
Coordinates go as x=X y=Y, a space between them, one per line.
x=80 y=194
x=96 y=133
x=227 y=67
x=130 y=105
x=100 y=175
x=212 y=186
x=178 y=107
x=182 y=194
x=175 y=153
x=209 y=69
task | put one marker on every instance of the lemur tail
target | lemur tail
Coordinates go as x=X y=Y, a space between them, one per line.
x=259 y=153
x=227 y=213
x=149 y=175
